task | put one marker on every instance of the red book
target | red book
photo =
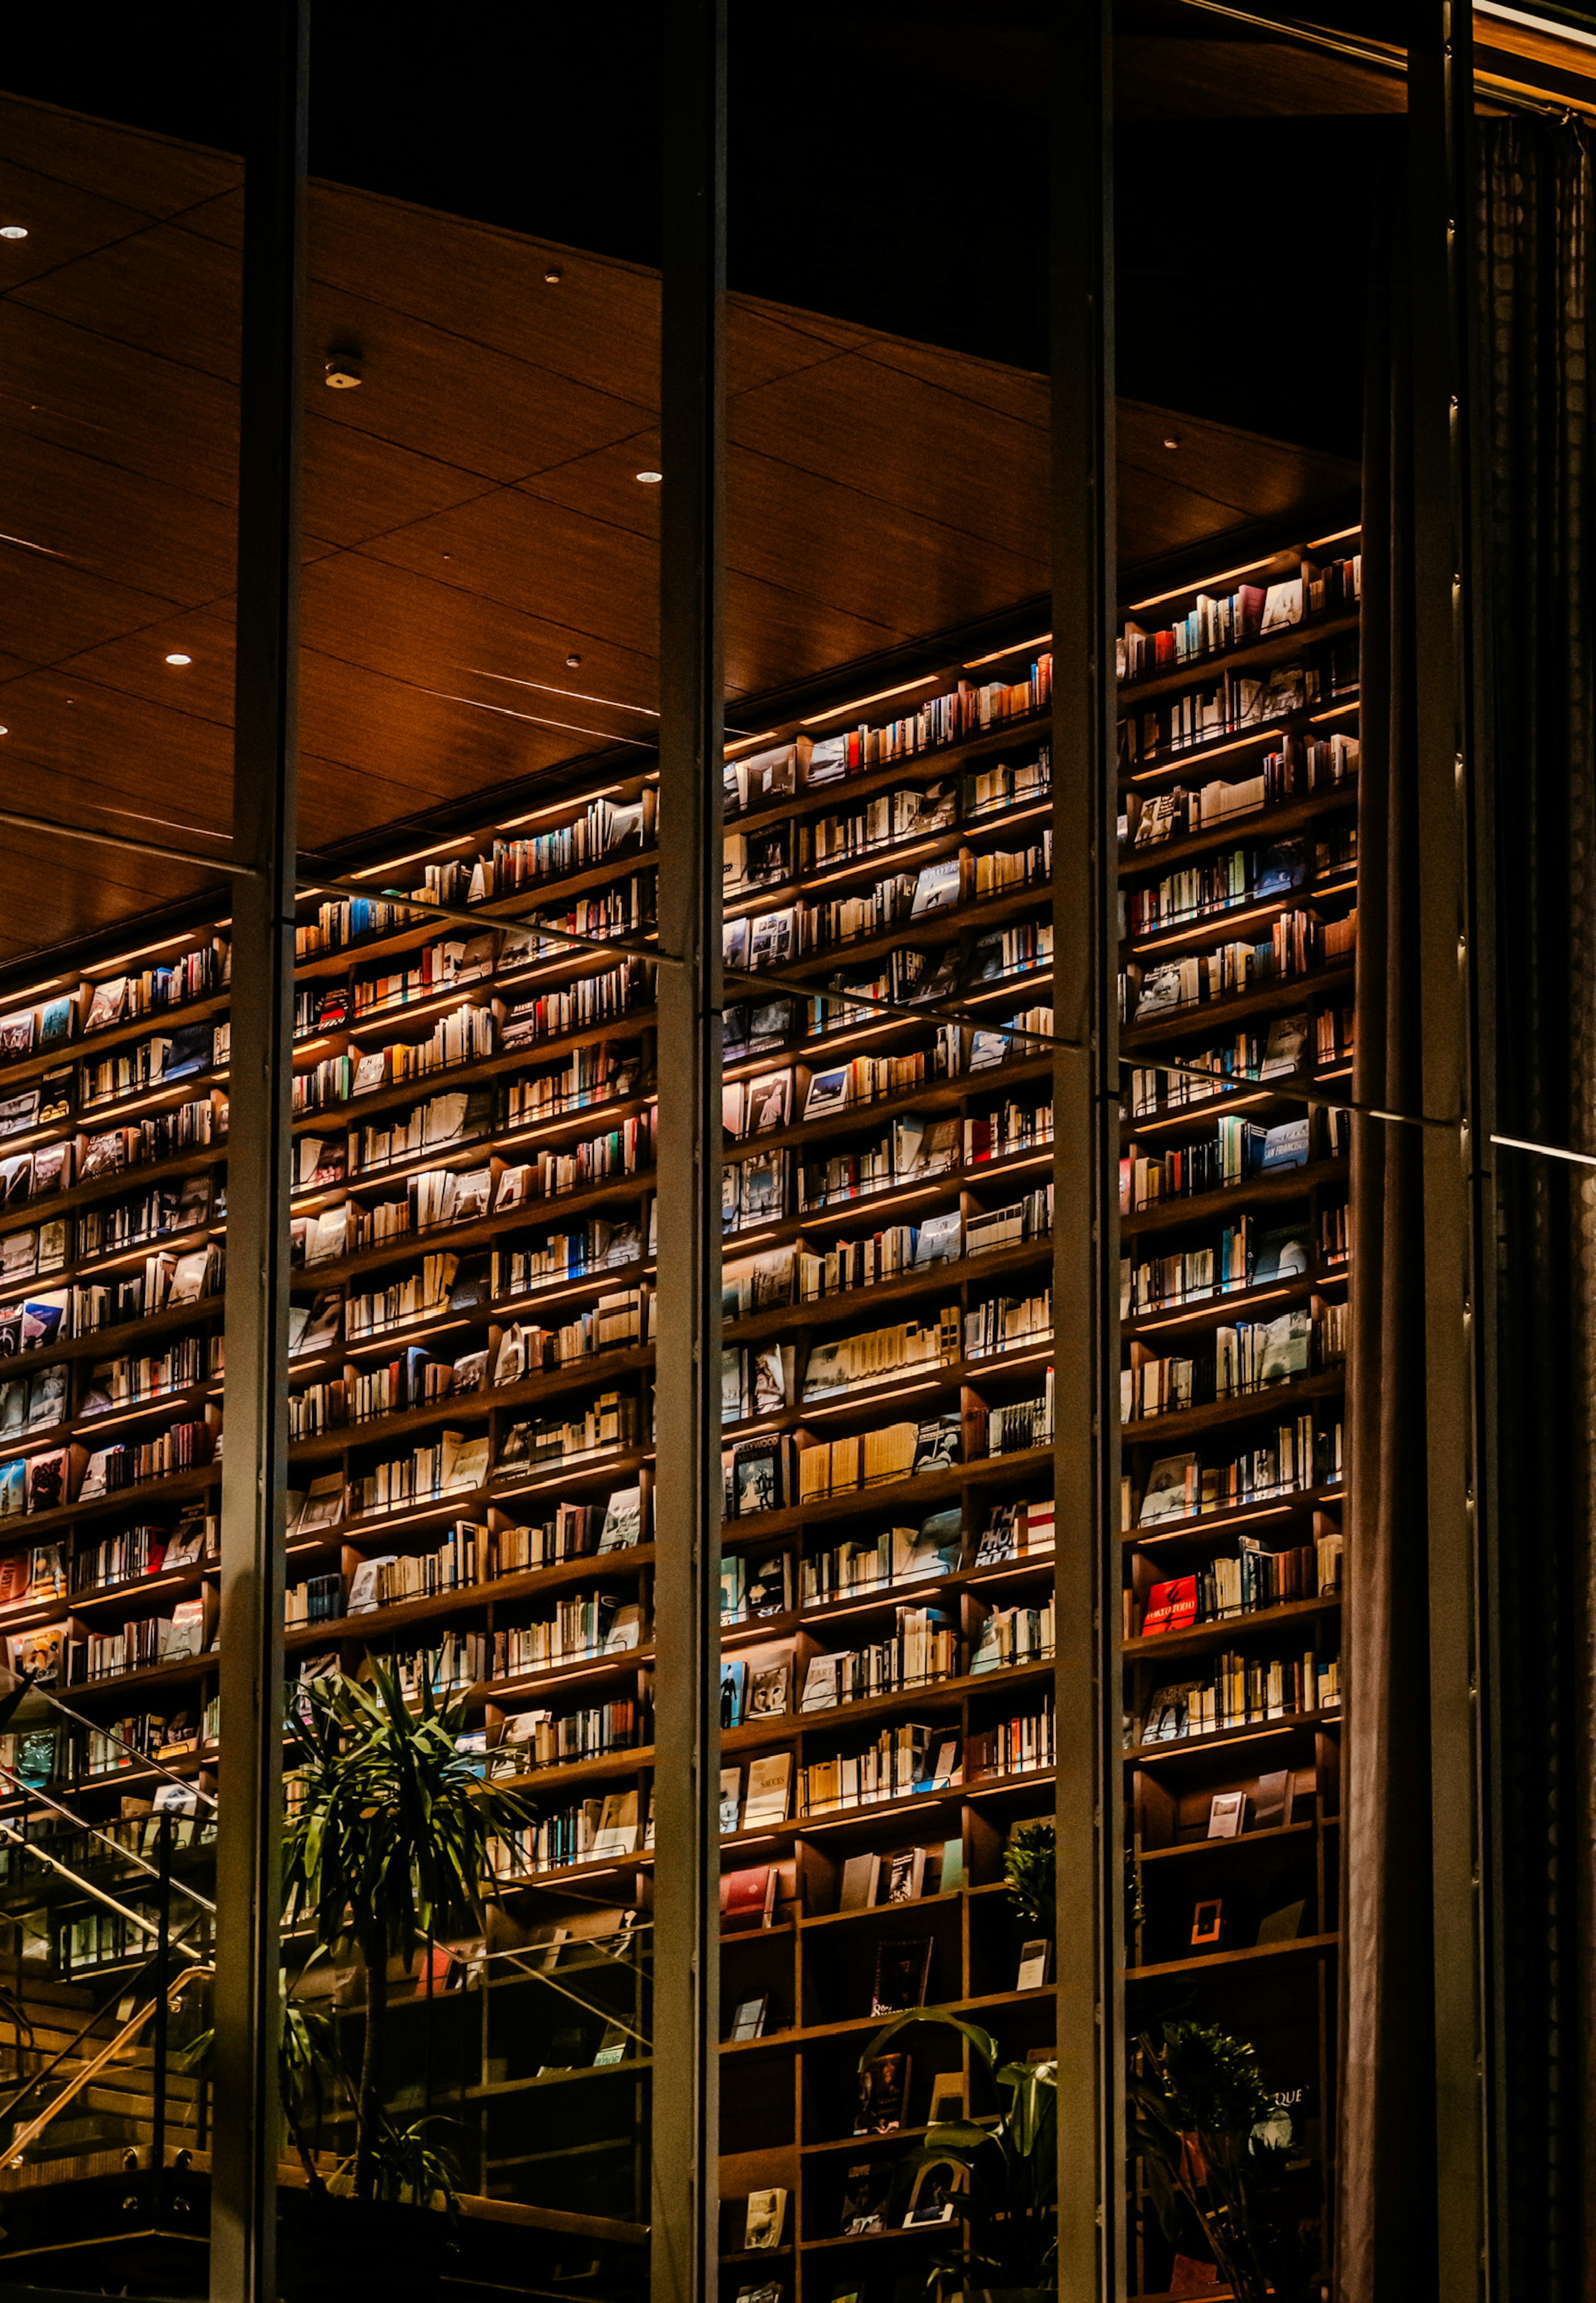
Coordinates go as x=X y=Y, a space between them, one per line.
x=1172 y=1606
x=748 y=1898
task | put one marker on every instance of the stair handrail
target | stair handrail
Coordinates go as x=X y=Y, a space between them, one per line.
x=80 y=2079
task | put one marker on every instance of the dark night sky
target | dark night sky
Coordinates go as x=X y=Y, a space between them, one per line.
x=885 y=179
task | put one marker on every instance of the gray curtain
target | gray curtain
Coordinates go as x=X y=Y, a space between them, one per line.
x=1385 y=2235
x=1535 y=517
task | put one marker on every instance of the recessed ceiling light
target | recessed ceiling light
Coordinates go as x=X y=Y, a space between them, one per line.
x=179 y=659
x=13 y=232
x=4 y=732
x=649 y=478
x=553 y=274
x=573 y=660
x=1170 y=439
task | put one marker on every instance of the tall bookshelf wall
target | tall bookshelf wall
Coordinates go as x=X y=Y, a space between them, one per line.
x=471 y=1398
x=1239 y=782
x=889 y=1348
x=470 y=1395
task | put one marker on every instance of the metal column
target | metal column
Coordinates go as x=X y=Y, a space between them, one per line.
x=1086 y=1101
x=1457 y=1183
x=687 y=1494
x=253 y=1478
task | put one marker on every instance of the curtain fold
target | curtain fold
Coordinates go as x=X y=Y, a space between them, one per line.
x=1537 y=515
x=1385 y=2235
x=1533 y=359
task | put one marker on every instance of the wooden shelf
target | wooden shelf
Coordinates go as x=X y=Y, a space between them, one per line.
x=1206 y=1019
x=1233 y=1199
x=1200 y=1638
x=1226 y=1739
x=1273 y=1399
x=1277 y=820
x=1163 y=1971
x=1244 y=655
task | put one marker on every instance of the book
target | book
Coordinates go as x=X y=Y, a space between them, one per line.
x=623 y=1521
x=733 y=1691
x=883 y=2090
x=765 y=2220
x=1226 y=1814
x=904 y=1875
x=1283 y=1926
x=768 y=1587
x=1034 y=1956
x=823 y=1682
x=1272 y=1800
x=768 y=1691
x=731 y=1800
x=861 y=1874
x=867 y=2187
x=948 y=2096
x=934 y=2198
x=1282 y=1147
x=1170 y=1491
x=616 y=1833
x=1172 y=1606
x=748 y=1898
x=748 y=2018
x=770 y=1791
x=903 y=1971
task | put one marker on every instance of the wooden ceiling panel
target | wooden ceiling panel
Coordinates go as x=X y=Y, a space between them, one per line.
x=598 y=326
x=1018 y=393
x=473 y=511
x=135 y=664
x=774 y=636
x=82 y=890
x=51 y=611
x=1213 y=478
x=762 y=342
x=119 y=526
x=540 y=558
x=62 y=382
x=165 y=291
x=879 y=560
x=62 y=222
x=358 y=487
x=156 y=174
x=1232 y=78
x=400 y=623
x=431 y=389
x=78 y=748
x=971 y=468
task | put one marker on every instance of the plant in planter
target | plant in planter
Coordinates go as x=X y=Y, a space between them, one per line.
x=1009 y=2171
x=390 y=1835
x=1208 y=2129
x=1030 y=1867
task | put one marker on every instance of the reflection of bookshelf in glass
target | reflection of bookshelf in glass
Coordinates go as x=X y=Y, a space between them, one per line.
x=470 y=1390
x=1238 y=759
x=888 y=1630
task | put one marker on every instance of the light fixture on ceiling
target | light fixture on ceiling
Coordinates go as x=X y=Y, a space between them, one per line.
x=179 y=659
x=553 y=274
x=4 y=732
x=13 y=232
x=573 y=660
x=650 y=478
x=1171 y=440
x=342 y=370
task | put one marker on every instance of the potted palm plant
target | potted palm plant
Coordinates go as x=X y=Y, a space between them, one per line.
x=1213 y=2141
x=1007 y=2239
x=389 y=1837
